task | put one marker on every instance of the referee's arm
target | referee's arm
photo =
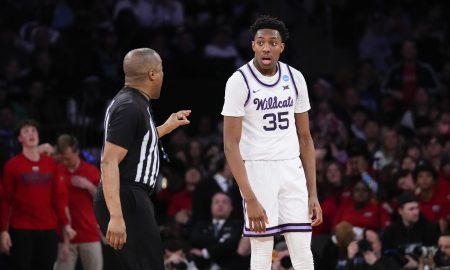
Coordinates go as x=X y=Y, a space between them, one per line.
x=112 y=156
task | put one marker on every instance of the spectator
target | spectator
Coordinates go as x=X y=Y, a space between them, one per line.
x=409 y=229
x=362 y=211
x=404 y=78
x=215 y=241
x=390 y=149
x=221 y=181
x=82 y=180
x=34 y=201
x=180 y=206
x=367 y=254
x=431 y=203
x=175 y=256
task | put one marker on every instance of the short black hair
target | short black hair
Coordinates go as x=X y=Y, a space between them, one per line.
x=406 y=197
x=425 y=166
x=269 y=22
x=24 y=123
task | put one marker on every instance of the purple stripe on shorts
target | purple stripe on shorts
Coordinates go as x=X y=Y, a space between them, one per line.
x=289 y=227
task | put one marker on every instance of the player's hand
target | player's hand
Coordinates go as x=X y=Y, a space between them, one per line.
x=116 y=234
x=315 y=211
x=257 y=217
x=5 y=242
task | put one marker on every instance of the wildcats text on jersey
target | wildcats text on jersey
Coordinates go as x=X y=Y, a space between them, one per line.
x=272 y=103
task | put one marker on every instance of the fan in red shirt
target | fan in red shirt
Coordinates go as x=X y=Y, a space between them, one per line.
x=81 y=179
x=431 y=200
x=34 y=202
x=362 y=212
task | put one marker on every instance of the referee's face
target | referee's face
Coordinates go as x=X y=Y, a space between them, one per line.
x=157 y=75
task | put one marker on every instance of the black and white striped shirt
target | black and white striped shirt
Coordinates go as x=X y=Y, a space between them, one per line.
x=129 y=124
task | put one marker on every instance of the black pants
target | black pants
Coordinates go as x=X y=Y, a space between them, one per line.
x=143 y=249
x=33 y=249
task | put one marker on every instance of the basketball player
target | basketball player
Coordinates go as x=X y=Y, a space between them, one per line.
x=265 y=126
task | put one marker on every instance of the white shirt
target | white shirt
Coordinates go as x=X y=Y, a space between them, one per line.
x=222 y=182
x=267 y=105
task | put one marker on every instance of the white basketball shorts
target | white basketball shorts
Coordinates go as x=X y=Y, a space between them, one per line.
x=280 y=187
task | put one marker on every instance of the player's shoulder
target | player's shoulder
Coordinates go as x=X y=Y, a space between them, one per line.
x=295 y=71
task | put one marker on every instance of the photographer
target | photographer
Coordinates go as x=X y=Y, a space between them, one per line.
x=442 y=257
x=366 y=254
x=411 y=228
x=175 y=256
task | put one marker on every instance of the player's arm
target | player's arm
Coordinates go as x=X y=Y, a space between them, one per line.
x=232 y=128
x=175 y=120
x=112 y=156
x=307 y=155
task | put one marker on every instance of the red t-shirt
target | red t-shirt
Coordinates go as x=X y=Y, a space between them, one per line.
x=329 y=207
x=433 y=209
x=371 y=216
x=180 y=200
x=34 y=198
x=81 y=208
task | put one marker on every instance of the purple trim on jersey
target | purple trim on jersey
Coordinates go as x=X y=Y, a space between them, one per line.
x=248 y=88
x=268 y=85
x=292 y=78
x=280 y=229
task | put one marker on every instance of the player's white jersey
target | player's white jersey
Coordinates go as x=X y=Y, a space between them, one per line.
x=267 y=105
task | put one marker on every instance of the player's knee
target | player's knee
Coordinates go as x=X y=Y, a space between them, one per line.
x=303 y=260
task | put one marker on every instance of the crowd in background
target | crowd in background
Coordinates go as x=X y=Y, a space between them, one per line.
x=381 y=127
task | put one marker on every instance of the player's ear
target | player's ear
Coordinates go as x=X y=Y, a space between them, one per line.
x=282 y=47
x=253 y=45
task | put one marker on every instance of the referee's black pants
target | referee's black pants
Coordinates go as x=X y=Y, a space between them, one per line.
x=143 y=249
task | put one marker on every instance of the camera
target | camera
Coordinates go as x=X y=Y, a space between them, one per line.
x=364 y=246
x=418 y=250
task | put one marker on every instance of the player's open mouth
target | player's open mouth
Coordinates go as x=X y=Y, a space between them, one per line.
x=266 y=60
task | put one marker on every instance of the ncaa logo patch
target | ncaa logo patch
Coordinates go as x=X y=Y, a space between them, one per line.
x=285 y=78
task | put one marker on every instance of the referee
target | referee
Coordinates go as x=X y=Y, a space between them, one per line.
x=130 y=165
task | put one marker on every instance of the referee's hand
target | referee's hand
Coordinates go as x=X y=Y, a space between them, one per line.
x=116 y=234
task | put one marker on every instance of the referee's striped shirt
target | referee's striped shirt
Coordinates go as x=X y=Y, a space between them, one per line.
x=129 y=124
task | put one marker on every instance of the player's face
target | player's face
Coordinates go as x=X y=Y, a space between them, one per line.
x=268 y=46
x=29 y=136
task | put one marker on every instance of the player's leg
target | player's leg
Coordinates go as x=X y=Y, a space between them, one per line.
x=261 y=256
x=68 y=263
x=294 y=214
x=299 y=246
x=91 y=256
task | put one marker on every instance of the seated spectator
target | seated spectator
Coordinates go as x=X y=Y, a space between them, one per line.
x=431 y=202
x=362 y=211
x=180 y=206
x=390 y=150
x=334 y=255
x=175 y=256
x=221 y=181
x=409 y=229
x=443 y=257
x=215 y=242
